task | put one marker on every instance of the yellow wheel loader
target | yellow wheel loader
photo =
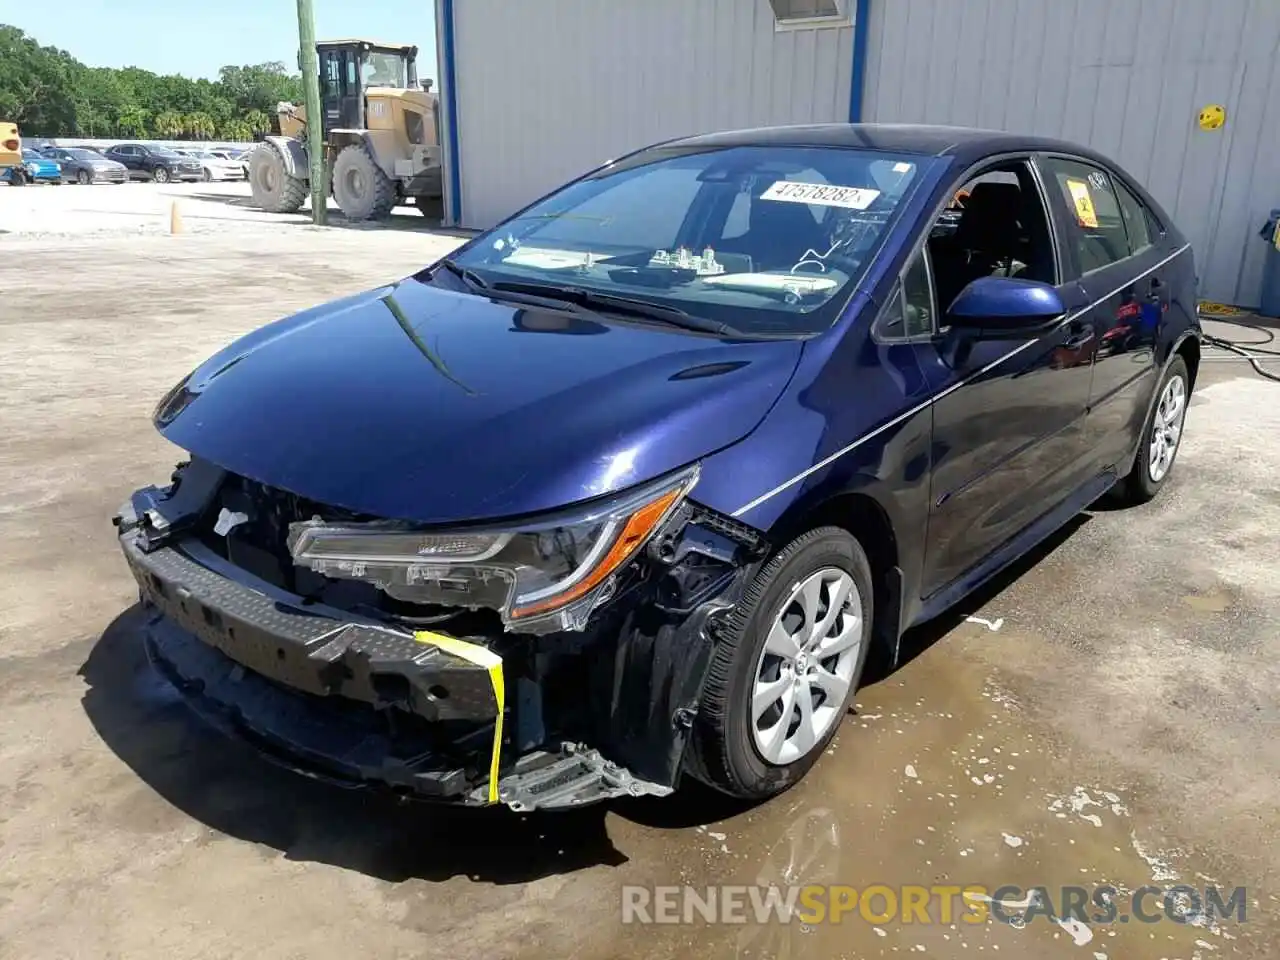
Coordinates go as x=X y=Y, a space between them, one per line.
x=381 y=136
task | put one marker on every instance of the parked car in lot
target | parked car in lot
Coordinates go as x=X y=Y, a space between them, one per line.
x=35 y=168
x=216 y=165
x=235 y=156
x=85 y=166
x=160 y=164
x=628 y=486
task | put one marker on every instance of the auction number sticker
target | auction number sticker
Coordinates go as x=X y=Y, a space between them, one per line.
x=821 y=194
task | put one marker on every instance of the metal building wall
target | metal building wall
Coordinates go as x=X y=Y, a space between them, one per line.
x=1127 y=77
x=548 y=89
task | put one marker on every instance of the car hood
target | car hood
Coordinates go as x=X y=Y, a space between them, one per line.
x=419 y=403
x=105 y=164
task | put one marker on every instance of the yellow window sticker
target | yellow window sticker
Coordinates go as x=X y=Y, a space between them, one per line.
x=1085 y=213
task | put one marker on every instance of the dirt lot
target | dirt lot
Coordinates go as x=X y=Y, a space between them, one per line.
x=1114 y=721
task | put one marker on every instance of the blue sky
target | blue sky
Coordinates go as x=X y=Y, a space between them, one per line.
x=196 y=37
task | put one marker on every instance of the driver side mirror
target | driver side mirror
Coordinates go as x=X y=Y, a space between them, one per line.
x=996 y=307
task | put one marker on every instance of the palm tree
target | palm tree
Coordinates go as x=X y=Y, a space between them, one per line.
x=198 y=125
x=169 y=125
x=258 y=121
x=237 y=130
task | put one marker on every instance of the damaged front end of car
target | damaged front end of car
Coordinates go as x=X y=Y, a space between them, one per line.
x=548 y=662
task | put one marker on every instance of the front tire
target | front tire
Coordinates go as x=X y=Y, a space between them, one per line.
x=782 y=678
x=160 y=175
x=362 y=190
x=1161 y=437
x=207 y=176
x=272 y=188
x=83 y=178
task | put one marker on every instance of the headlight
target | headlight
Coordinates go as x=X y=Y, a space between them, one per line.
x=544 y=575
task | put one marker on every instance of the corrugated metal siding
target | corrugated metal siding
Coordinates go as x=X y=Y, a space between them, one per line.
x=548 y=89
x=1127 y=77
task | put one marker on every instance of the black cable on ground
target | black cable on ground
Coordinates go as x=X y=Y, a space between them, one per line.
x=1249 y=349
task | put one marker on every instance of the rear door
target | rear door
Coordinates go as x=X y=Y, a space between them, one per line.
x=128 y=155
x=1117 y=253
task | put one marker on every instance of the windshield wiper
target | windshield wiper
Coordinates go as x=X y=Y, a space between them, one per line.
x=465 y=274
x=614 y=303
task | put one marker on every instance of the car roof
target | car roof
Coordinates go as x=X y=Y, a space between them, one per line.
x=965 y=143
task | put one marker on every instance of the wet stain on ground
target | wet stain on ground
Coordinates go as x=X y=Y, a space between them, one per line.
x=941 y=780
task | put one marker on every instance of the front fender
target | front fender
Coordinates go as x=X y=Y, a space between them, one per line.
x=294 y=155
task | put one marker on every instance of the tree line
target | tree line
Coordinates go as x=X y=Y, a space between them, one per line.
x=50 y=93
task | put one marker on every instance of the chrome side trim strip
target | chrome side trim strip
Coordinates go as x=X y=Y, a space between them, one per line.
x=827 y=461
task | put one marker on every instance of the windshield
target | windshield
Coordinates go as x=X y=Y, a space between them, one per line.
x=162 y=152
x=78 y=154
x=766 y=240
x=384 y=70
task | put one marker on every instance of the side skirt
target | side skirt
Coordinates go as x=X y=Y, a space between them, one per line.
x=948 y=596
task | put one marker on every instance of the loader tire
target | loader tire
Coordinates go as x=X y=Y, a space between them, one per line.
x=361 y=189
x=273 y=189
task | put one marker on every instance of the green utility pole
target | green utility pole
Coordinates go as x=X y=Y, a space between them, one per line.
x=315 y=117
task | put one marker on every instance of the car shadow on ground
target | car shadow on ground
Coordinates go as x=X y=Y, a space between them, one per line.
x=226 y=786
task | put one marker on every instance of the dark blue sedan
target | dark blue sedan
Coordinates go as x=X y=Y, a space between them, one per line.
x=629 y=485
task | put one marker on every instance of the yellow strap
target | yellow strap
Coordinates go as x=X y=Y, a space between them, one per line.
x=490 y=661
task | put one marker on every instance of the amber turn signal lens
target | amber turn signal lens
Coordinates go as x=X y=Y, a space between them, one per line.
x=637 y=529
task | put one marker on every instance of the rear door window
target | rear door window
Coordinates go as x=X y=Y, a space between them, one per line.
x=1096 y=225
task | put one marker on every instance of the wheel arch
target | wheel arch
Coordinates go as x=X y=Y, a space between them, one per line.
x=1189 y=351
x=381 y=144
x=857 y=509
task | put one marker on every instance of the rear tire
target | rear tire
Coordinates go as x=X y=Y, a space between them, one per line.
x=361 y=189
x=1161 y=438
x=730 y=749
x=273 y=189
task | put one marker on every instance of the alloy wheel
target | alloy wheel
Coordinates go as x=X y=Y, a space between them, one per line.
x=803 y=674
x=1166 y=428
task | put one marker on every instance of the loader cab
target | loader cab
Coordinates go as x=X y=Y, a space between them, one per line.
x=348 y=68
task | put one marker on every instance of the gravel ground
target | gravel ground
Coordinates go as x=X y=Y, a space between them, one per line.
x=1110 y=718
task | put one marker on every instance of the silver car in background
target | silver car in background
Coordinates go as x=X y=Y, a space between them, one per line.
x=80 y=165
